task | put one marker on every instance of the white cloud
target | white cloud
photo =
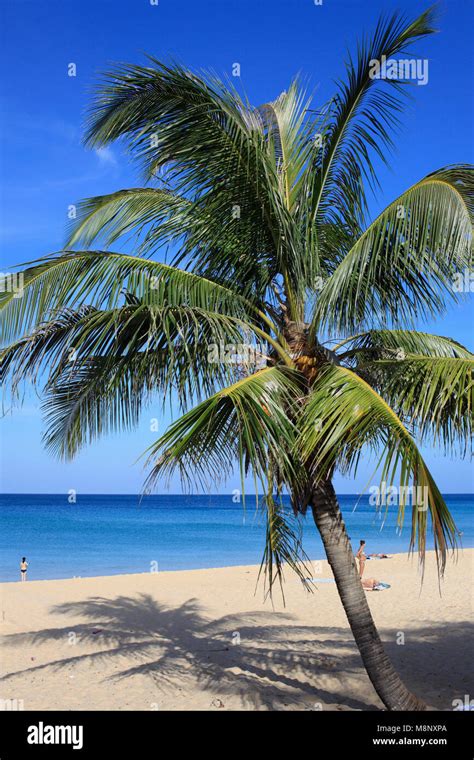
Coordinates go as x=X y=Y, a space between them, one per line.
x=106 y=156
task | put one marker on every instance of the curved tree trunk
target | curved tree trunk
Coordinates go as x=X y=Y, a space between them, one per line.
x=386 y=682
x=328 y=518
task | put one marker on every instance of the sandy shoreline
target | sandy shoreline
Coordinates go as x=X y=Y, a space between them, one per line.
x=201 y=639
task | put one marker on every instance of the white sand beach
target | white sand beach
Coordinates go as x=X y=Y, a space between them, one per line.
x=203 y=639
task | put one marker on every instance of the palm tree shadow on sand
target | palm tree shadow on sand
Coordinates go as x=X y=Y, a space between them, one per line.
x=259 y=657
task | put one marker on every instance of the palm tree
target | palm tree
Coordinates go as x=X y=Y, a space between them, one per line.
x=265 y=210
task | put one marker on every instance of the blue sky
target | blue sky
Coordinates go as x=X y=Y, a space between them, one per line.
x=45 y=168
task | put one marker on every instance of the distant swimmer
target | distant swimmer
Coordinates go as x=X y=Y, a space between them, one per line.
x=23 y=569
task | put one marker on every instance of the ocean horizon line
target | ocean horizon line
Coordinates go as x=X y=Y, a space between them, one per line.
x=197 y=495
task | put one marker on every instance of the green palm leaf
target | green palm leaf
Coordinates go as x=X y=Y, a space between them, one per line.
x=92 y=356
x=360 y=114
x=100 y=278
x=247 y=422
x=282 y=547
x=211 y=143
x=104 y=219
x=344 y=414
x=380 y=344
x=434 y=394
x=404 y=264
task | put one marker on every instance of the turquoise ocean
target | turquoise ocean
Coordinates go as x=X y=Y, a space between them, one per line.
x=114 y=534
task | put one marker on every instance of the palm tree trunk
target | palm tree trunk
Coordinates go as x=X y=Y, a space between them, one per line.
x=385 y=680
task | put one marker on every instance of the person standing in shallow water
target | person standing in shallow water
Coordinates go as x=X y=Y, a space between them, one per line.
x=23 y=569
x=361 y=557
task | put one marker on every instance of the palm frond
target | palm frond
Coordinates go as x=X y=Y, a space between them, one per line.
x=248 y=422
x=95 y=397
x=362 y=111
x=88 y=356
x=344 y=414
x=288 y=139
x=404 y=264
x=75 y=278
x=211 y=144
x=283 y=546
x=435 y=395
x=386 y=344
x=163 y=215
x=48 y=344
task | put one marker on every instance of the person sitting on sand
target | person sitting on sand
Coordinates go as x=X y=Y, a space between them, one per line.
x=23 y=568
x=361 y=557
x=370 y=584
